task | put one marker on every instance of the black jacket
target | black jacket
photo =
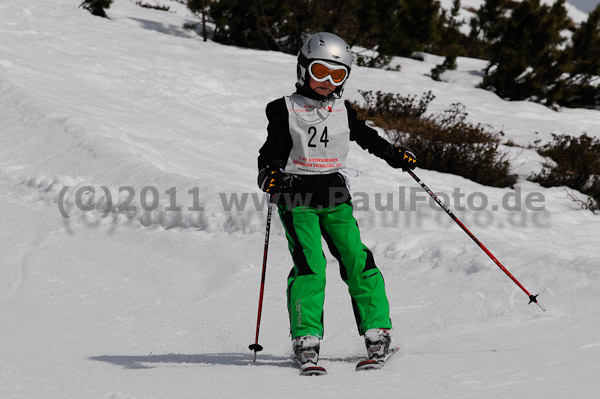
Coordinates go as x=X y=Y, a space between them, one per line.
x=317 y=190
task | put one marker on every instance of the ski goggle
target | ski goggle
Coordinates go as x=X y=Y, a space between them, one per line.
x=321 y=71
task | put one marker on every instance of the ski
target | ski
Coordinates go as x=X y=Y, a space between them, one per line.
x=376 y=364
x=312 y=369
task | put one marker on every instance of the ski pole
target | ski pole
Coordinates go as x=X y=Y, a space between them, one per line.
x=532 y=298
x=255 y=346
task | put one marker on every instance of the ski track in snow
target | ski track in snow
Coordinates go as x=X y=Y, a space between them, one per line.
x=157 y=303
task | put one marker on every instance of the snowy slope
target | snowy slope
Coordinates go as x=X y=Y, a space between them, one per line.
x=159 y=303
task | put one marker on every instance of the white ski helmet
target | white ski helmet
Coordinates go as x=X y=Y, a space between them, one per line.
x=326 y=47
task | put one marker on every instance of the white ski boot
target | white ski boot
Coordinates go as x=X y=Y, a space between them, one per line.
x=306 y=354
x=378 y=342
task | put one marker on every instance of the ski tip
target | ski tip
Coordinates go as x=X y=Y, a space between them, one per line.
x=313 y=370
x=376 y=363
x=368 y=365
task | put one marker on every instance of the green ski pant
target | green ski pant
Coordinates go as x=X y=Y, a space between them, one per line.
x=304 y=227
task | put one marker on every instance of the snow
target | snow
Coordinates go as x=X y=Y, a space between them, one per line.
x=158 y=303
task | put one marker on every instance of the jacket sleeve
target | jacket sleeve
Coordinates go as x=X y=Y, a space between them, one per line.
x=276 y=149
x=367 y=137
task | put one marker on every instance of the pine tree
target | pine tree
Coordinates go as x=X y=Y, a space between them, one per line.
x=296 y=20
x=246 y=23
x=527 y=61
x=370 y=24
x=412 y=26
x=486 y=27
x=451 y=41
x=582 y=85
x=198 y=7
x=489 y=20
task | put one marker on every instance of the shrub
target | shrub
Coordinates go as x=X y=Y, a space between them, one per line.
x=446 y=142
x=96 y=7
x=576 y=164
x=385 y=108
x=153 y=6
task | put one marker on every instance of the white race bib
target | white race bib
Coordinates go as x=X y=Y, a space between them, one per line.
x=320 y=135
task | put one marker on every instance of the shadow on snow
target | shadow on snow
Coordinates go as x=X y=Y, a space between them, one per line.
x=222 y=359
x=225 y=359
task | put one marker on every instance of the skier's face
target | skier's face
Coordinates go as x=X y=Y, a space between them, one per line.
x=322 y=88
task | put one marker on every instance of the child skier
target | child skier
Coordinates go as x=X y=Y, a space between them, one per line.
x=307 y=143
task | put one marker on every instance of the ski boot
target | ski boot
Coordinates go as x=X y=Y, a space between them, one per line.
x=377 y=341
x=306 y=355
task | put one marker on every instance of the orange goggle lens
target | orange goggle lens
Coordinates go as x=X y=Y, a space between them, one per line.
x=321 y=72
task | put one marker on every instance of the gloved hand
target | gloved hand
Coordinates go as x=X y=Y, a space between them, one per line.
x=273 y=181
x=400 y=157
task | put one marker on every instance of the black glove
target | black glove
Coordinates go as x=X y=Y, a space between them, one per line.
x=273 y=181
x=400 y=157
